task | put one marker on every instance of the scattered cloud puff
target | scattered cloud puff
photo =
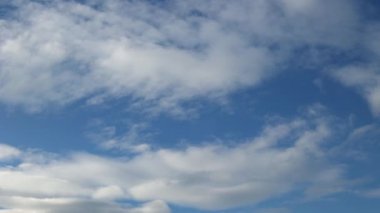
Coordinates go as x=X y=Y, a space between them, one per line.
x=8 y=152
x=54 y=53
x=136 y=139
x=285 y=157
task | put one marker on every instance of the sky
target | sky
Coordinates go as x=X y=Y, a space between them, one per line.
x=160 y=106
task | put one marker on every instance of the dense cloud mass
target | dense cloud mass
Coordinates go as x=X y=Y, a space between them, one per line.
x=210 y=177
x=54 y=53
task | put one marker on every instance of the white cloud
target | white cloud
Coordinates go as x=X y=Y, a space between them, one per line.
x=59 y=52
x=281 y=159
x=73 y=51
x=8 y=152
x=109 y=193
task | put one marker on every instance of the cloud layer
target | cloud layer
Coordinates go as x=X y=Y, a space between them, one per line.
x=62 y=51
x=283 y=158
x=160 y=55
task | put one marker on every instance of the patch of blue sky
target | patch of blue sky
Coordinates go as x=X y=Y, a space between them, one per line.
x=349 y=203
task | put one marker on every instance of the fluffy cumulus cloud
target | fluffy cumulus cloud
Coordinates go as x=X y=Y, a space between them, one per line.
x=57 y=52
x=284 y=157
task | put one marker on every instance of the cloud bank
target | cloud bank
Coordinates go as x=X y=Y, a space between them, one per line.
x=58 y=52
x=284 y=157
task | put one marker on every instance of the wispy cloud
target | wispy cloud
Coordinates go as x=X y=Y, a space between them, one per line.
x=135 y=139
x=363 y=75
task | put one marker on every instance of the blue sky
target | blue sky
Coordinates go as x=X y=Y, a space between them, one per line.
x=264 y=106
